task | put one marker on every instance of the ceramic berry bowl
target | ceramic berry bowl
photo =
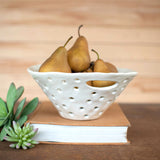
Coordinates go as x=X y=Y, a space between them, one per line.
x=76 y=100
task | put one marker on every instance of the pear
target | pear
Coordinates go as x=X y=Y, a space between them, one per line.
x=111 y=67
x=90 y=69
x=105 y=67
x=78 y=54
x=57 y=62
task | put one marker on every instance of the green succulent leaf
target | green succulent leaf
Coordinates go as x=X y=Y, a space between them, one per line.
x=30 y=107
x=3 y=109
x=16 y=127
x=22 y=120
x=1 y=122
x=22 y=136
x=3 y=131
x=12 y=145
x=19 y=108
x=10 y=132
x=11 y=96
x=19 y=92
x=4 y=120
x=7 y=115
x=11 y=139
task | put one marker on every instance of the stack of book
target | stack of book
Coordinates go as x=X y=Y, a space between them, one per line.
x=110 y=128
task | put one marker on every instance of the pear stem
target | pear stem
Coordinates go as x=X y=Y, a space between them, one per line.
x=68 y=40
x=79 y=30
x=95 y=52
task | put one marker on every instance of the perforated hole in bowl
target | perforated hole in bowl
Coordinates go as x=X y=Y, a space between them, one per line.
x=64 y=106
x=96 y=108
x=59 y=90
x=94 y=93
x=76 y=88
x=101 y=98
x=86 y=116
x=45 y=88
x=77 y=80
x=53 y=97
x=49 y=79
x=89 y=101
x=109 y=101
x=71 y=114
x=57 y=106
x=125 y=81
x=114 y=92
x=100 y=113
x=64 y=82
x=81 y=108
x=71 y=99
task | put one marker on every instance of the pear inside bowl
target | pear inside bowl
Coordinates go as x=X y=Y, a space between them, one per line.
x=74 y=98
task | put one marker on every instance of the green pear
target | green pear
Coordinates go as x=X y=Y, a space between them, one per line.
x=58 y=61
x=78 y=54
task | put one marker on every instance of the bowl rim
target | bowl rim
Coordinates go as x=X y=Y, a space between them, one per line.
x=121 y=71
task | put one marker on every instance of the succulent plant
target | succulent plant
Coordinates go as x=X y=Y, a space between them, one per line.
x=23 y=136
x=7 y=108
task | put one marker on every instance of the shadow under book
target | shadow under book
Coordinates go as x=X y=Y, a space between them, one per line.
x=110 y=128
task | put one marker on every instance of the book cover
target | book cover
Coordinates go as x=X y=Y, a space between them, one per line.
x=110 y=128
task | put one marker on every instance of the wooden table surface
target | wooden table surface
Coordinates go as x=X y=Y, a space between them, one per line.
x=125 y=33
x=143 y=134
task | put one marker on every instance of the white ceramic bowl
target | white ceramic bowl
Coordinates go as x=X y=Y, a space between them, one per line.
x=76 y=100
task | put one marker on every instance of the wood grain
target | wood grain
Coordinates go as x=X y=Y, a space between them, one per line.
x=125 y=33
x=119 y=13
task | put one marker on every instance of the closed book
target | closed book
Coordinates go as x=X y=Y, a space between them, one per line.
x=110 y=128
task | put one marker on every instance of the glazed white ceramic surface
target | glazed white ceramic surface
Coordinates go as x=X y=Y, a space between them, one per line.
x=76 y=100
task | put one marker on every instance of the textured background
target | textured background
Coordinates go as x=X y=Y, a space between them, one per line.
x=124 y=32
